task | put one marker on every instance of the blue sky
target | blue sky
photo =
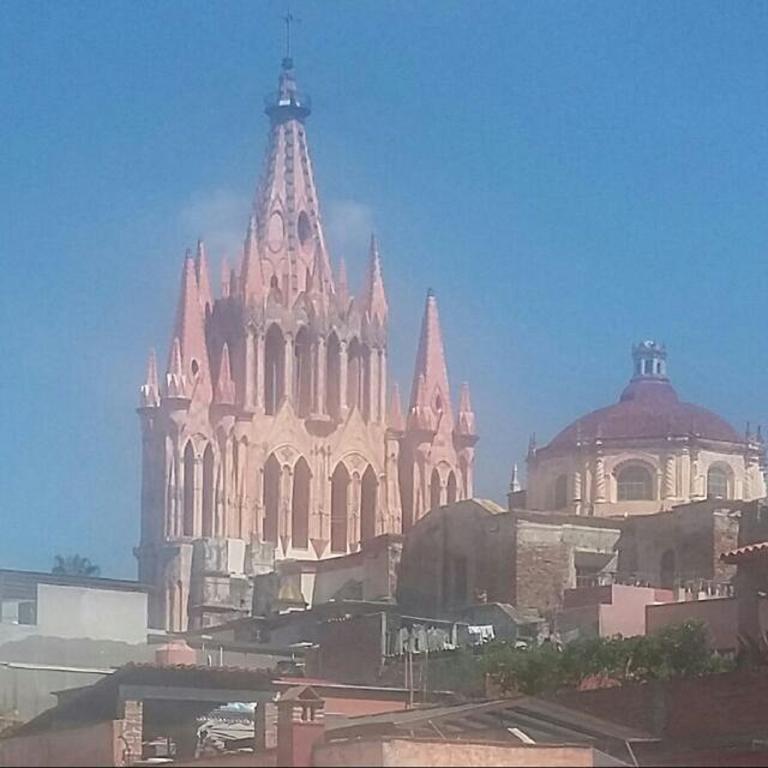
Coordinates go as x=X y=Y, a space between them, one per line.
x=568 y=177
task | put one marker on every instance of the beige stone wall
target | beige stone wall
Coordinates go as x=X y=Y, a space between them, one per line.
x=678 y=473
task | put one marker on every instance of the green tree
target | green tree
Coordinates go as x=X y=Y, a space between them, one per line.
x=74 y=565
x=675 y=651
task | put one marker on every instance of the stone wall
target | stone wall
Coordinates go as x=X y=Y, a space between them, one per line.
x=91 y=745
x=472 y=552
x=724 y=708
x=398 y=752
x=697 y=534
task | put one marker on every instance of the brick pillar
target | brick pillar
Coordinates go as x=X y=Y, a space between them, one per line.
x=265 y=725
x=128 y=746
x=299 y=726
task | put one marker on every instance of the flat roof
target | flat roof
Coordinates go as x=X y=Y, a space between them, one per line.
x=62 y=580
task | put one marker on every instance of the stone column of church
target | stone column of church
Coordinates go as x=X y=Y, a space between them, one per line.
x=288 y=369
x=380 y=521
x=685 y=473
x=353 y=512
x=250 y=493
x=343 y=360
x=198 y=496
x=589 y=487
x=260 y=381
x=249 y=377
x=324 y=485
x=382 y=393
x=576 y=500
x=373 y=386
x=669 y=476
x=319 y=404
x=745 y=491
x=751 y=468
x=242 y=500
x=420 y=488
x=170 y=493
x=228 y=486
x=258 y=523
x=288 y=506
x=696 y=481
x=466 y=459
x=218 y=496
x=600 y=495
x=391 y=484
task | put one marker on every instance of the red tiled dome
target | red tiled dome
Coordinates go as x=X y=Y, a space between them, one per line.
x=647 y=408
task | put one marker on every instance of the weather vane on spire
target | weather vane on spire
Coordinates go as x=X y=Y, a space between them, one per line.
x=288 y=19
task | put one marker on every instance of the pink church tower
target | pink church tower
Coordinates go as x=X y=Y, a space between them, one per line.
x=270 y=437
x=437 y=453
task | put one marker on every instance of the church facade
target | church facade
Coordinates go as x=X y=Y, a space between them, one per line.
x=646 y=453
x=273 y=433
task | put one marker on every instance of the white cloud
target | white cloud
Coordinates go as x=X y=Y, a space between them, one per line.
x=220 y=217
x=348 y=227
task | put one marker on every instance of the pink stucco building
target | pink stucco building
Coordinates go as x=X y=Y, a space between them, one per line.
x=273 y=432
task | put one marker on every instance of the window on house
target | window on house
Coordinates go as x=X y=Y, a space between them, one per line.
x=634 y=483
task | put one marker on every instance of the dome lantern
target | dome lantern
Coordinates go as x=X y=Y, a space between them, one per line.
x=650 y=359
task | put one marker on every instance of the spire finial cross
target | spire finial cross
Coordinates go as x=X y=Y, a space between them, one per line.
x=288 y=19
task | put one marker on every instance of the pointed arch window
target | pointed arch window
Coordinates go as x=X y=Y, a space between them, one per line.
x=271 y=498
x=303 y=372
x=368 y=494
x=274 y=369
x=189 y=491
x=452 y=494
x=355 y=377
x=333 y=376
x=366 y=370
x=302 y=478
x=208 y=494
x=434 y=490
x=339 y=521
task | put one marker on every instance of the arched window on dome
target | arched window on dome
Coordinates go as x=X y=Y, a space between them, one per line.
x=634 y=483
x=718 y=482
x=560 y=500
